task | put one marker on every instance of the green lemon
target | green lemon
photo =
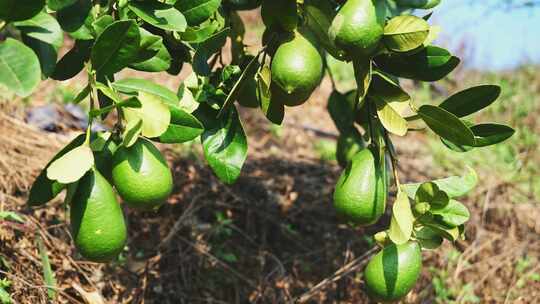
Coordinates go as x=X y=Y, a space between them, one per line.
x=358 y=27
x=348 y=145
x=393 y=272
x=241 y=5
x=97 y=221
x=280 y=14
x=197 y=11
x=422 y=4
x=360 y=194
x=297 y=69
x=141 y=175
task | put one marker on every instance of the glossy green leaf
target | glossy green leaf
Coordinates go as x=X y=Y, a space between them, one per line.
x=187 y=100
x=160 y=15
x=405 y=33
x=429 y=238
x=183 y=127
x=363 y=75
x=446 y=125
x=101 y=23
x=132 y=130
x=491 y=134
x=401 y=224
x=390 y=118
x=452 y=215
x=197 y=11
x=225 y=147
x=274 y=111
x=76 y=19
x=154 y=113
x=44 y=189
x=71 y=166
x=153 y=55
x=18 y=10
x=247 y=74
x=420 y=4
x=206 y=49
x=471 y=100
x=430 y=193
x=318 y=18
x=59 y=4
x=430 y=64
x=73 y=61
x=454 y=186
x=135 y=85
x=20 y=71
x=342 y=109
x=116 y=47
x=199 y=33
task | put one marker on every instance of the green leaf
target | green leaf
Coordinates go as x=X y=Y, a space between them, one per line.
x=451 y=215
x=225 y=148
x=73 y=61
x=183 y=127
x=48 y=274
x=153 y=56
x=44 y=189
x=154 y=113
x=207 y=48
x=76 y=19
x=405 y=33
x=429 y=238
x=446 y=125
x=135 y=85
x=247 y=74
x=71 y=166
x=43 y=35
x=454 y=186
x=390 y=119
x=56 y=5
x=187 y=101
x=160 y=15
x=363 y=75
x=5 y=298
x=199 y=33
x=132 y=131
x=109 y=92
x=19 y=67
x=401 y=224
x=197 y=11
x=274 y=111
x=430 y=64
x=11 y=216
x=318 y=18
x=471 y=100
x=18 y=10
x=116 y=47
x=491 y=134
x=430 y=193
x=420 y=4
x=101 y=23
x=342 y=109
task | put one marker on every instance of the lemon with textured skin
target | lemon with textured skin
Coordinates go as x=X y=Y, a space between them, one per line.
x=393 y=272
x=348 y=144
x=297 y=69
x=358 y=27
x=97 y=222
x=141 y=175
x=360 y=193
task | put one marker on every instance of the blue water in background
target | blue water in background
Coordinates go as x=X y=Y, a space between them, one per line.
x=486 y=35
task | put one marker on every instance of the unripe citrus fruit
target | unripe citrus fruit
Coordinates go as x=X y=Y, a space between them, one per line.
x=358 y=27
x=348 y=145
x=360 y=194
x=297 y=69
x=280 y=14
x=97 y=221
x=393 y=272
x=141 y=175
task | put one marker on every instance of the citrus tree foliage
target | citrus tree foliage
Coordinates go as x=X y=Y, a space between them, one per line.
x=381 y=40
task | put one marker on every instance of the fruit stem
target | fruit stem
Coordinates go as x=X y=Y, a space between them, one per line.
x=394 y=160
x=330 y=74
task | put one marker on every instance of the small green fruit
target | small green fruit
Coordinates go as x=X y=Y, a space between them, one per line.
x=360 y=194
x=348 y=145
x=393 y=272
x=297 y=69
x=141 y=175
x=97 y=221
x=358 y=27
x=280 y=14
